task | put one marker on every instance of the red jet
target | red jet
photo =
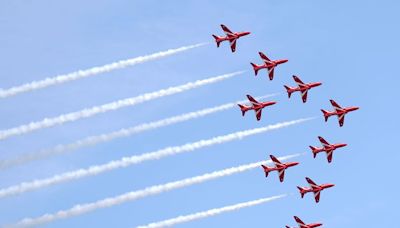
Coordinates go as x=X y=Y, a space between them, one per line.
x=303 y=225
x=326 y=147
x=279 y=166
x=303 y=88
x=230 y=36
x=256 y=106
x=339 y=111
x=269 y=64
x=316 y=189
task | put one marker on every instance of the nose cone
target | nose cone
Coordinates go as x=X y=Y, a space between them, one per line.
x=294 y=163
x=329 y=185
x=318 y=83
x=284 y=60
x=340 y=145
x=246 y=33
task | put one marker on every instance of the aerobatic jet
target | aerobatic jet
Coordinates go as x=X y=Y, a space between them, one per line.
x=316 y=189
x=326 y=147
x=303 y=225
x=303 y=88
x=269 y=64
x=230 y=36
x=279 y=166
x=339 y=111
x=256 y=106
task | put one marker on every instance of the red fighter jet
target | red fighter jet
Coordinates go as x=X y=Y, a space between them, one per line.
x=230 y=36
x=256 y=106
x=339 y=111
x=279 y=166
x=326 y=147
x=303 y=225
x=269 y=64
x=316 y=189
x=303 y=88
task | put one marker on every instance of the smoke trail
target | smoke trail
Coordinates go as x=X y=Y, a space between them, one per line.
x=125 y=132
x=211 y=212
x=85 y=113
x=91 y=72
x=136 y=159
x=135 y=195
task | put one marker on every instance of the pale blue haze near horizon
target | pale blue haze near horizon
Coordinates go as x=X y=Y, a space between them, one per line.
x=350 y=46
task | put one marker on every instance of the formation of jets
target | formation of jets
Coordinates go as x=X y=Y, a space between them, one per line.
x=303 y=88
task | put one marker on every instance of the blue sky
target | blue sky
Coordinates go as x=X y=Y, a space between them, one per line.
x=350 y=46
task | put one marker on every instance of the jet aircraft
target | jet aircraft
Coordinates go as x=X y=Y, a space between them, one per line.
x=279 y=166
x=303 y=88
x=303 y=225
x=232 y=37
x=326 y=147
x=256 y=106
x=316 y=189
x=339 y=111
x=269 y=64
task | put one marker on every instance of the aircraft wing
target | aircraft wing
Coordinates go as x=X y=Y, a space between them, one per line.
x=335 y=105
x=311 y=182
x=341 y=119
x=271 y=73
x=304 y=96
x=275 y=160
x=226 y=30
x=233 y=45
x=258 y=114
x=299 y=222
x=253 y=101
x=264 y=57
x=317 y=195
x=282 y=175
x=298 y=81
x=323 y=141
x=329 y=156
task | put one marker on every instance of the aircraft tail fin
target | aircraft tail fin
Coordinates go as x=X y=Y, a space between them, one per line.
x=217 y=39
x=266 y=170
x=243 y=109
x=256 y=68
x=314 y=151
x=302 y=191
x=326 y=114
x=289 y=90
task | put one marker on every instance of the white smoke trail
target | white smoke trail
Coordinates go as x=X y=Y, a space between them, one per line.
x=85 y=113
x=209 y=213
x=125 y=132
x=136 y=159
x=135 y=195
x=92 y=71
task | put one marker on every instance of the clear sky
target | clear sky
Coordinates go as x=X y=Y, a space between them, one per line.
x=350 y=46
